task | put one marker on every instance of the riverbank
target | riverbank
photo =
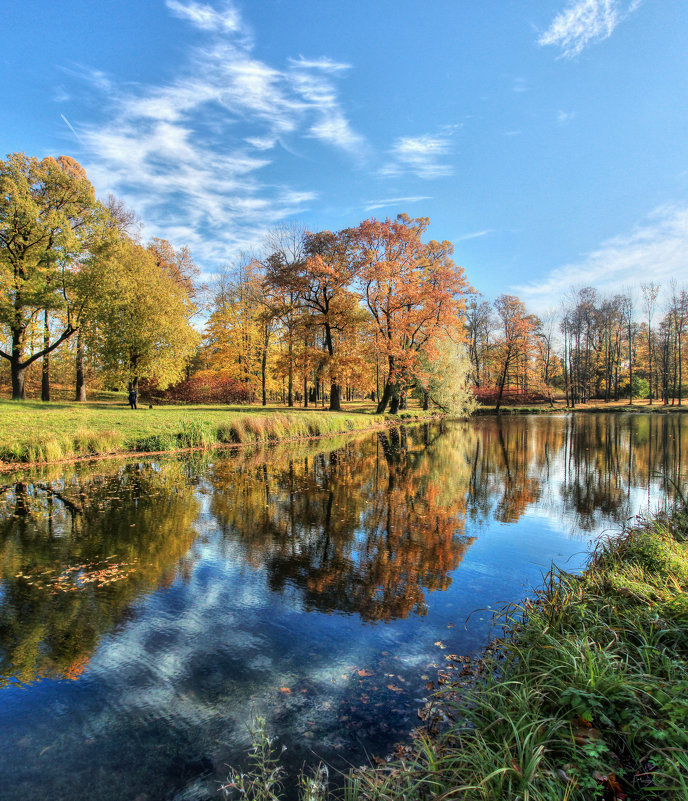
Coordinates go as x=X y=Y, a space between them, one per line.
x=32 y=432
x=614 y=407
x=583 y=698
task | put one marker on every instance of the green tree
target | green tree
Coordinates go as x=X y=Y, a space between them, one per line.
x=447 y=378
x=48 y=219
x=141 y=323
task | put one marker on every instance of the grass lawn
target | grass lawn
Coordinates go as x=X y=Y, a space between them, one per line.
x=31 y=431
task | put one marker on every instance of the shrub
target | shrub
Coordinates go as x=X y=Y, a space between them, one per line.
x=512 y=396
x=207 y=387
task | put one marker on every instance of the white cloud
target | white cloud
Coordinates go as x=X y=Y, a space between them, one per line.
x=564 y=117
x=585 y=22
x=656 y=250
x=474 y=235
x=324 y=63
x=334 y=128
x=422 y=156
x=191 y=155
x=520 y=85
x=206 y=17
x=394 y=201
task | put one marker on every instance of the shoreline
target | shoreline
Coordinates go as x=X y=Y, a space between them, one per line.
x=581 y=697
x=616 y=408
x=255 y=434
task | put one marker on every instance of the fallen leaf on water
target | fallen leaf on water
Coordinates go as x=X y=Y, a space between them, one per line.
x=396 y=689
x=285 y=690
x=364 y=672
x=440 y=644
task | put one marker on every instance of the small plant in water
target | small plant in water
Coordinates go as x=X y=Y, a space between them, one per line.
x=263 y=780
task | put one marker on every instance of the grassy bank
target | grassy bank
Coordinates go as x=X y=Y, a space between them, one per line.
x=559 y=406
x=33 y=432
x=586 y=697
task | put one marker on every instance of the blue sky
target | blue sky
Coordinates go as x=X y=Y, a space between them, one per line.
x=546 y=138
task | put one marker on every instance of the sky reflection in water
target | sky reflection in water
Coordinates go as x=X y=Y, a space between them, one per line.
x=149 y=609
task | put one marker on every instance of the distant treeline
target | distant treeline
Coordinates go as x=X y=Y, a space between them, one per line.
x=370 y=311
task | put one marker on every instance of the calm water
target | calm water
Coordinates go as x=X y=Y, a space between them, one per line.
x=149 y=609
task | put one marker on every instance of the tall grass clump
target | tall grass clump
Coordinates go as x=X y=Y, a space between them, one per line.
x=196 y=434
x=263 y=780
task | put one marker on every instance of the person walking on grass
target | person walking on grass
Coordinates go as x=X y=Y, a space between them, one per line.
x=132 y=398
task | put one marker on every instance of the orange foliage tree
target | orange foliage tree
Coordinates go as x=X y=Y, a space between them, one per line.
x=515 y=346
x=413 y=291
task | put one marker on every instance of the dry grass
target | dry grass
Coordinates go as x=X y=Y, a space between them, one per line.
x=31 y=431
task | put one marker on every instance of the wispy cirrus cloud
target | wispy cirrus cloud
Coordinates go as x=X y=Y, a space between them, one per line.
x=193 y=155
x=394 y=201
x=206 y=17
x=424 y=156
x=656 y=250
x=474 y=235
x=585 y=22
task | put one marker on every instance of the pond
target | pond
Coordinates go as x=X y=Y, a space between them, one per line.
x=149 y=609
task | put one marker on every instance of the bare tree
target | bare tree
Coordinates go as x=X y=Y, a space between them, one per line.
x=650 y=292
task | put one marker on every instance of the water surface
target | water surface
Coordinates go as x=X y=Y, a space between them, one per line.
x=150 y=608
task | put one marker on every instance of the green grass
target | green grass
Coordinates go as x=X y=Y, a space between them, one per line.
x=31 y=431
x=585 y=698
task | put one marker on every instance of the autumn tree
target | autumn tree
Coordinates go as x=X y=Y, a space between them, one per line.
x=239 y=328
x=319 y=285
x=650 y=292
x=178 y=264
x=285 y=248
x=413 y=291
x=142 y=327
x=48 y=219
x=516 y=338
x=545 y=352
x=479 y=328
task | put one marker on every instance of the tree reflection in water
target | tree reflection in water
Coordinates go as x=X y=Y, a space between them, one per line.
x=139 y=514
x=368 y=527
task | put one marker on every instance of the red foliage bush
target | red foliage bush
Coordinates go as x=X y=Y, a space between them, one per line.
x=208 y=387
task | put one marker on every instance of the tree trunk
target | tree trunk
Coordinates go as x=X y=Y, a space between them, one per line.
x=426 y=400
x=630 y=364
x=80 y=374
x=18 y=382
x=290 y=378
x=18 y=371
x=18 y=367
x=389 y=391
x=335 y=397
x=45 y=367
x=502 y=381
x=305 y=373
